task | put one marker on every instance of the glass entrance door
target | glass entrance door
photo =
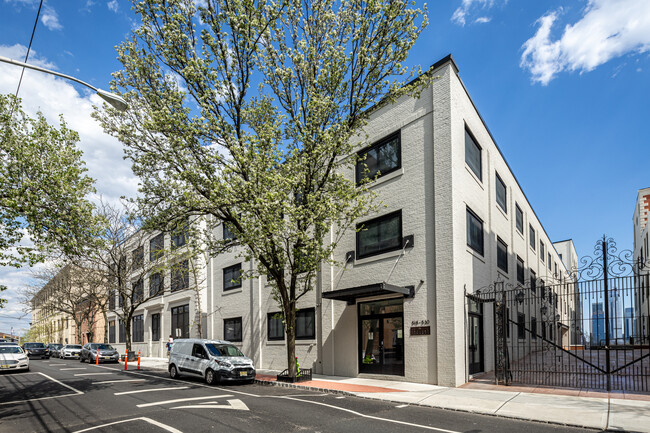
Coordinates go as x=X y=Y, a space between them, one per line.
x=381 y=337
x=475 y=337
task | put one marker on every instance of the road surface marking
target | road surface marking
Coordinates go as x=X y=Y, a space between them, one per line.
x=232 y=404
x=401 y=406
x=119 y=380
x=92 y=374
x=74 y=368
x=362 y=415
x=150 y=390
x=77 y=392
x=57 y=365
x=149 y=420
x=339 y=398
x=178 y=400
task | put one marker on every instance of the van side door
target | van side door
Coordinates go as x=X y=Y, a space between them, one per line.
x=198 y=359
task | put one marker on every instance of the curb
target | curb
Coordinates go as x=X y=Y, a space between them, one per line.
x=352 y=394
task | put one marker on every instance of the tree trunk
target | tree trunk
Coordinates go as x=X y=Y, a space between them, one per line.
x=105 y=315
x=290 y=320
x=127 y=334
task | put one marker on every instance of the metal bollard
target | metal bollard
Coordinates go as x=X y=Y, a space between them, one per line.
x=138 y=359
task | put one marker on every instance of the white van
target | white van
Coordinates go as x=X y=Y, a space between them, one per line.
x=213 y=360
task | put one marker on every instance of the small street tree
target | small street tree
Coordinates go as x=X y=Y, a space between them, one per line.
x=43 y=187
x=249 y=111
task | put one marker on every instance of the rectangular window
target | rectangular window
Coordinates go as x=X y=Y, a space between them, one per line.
x=111 y=331
x=555 y=266
x=541 y=250
x=227 y=233
x=275 y=327
x=156 y=284
x=501 y=194
x=181 y=321
x=180 y=276
x=531 y=235
x=305 y=324
x=521 y=326
x=138 y=328
x=137 y=258
x=474 y=232
x=137 y=295
x=520 y=270
x=473 y=155
x=122 y=331
x=533 y=281
x=155 y=327
x=519 y=219
x=533 y=327
x=156 y=247
x=179 y=235
x=232 y=277
x=111 y=299
x=232 y=329
x=379 y=235
x=502 y=255
x=381 y=158
x=549 y=261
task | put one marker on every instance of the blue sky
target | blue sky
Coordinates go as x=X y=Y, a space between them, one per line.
x=563 y=86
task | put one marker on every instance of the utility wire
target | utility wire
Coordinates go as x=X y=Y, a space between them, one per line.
x=29 y=47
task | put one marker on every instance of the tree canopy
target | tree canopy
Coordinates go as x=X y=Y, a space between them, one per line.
x=250 y=111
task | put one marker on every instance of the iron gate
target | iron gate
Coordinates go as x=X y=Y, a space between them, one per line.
x=586 y=329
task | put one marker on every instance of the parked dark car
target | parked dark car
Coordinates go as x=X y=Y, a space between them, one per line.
x=106 y=353
x=36 y=350
x=54 y=349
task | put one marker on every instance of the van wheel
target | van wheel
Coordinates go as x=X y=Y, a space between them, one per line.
x=211 y=377
x=173 y=373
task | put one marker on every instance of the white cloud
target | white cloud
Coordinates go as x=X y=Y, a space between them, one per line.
x=482 y=20
x=50 y=19
x=460 y=15
x=607 y=29
x=113 y=5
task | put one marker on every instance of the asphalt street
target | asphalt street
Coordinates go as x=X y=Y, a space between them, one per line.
x=68 y=396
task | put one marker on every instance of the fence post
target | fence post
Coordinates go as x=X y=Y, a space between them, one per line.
x=608 y=367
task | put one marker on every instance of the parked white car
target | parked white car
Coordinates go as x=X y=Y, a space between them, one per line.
x=70 y=351
x=13 y=357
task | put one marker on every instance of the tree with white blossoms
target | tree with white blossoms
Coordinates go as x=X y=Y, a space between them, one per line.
x=248 y=110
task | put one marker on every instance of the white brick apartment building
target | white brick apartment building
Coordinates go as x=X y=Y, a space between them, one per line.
x=642 y=259
x=455 y=220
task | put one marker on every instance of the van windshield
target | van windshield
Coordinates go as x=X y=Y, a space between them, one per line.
x=223 y=350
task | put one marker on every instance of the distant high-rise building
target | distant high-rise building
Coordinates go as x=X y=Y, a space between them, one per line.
x=597 y=323
x=629 y=326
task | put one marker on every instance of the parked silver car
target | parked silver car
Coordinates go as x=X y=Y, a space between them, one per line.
x=213 y=360
x=106 y=353
x=70 y=351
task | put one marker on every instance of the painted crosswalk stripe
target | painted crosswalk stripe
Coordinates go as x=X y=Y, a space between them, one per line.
x=150 y=390
x=179 y=400
x=118 y=381
x=92 y=374
x=75 y=368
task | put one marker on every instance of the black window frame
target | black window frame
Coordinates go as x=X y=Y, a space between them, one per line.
x=502 y=255
x=279 y=321
x=532 y=237
x=361 y=165
x=227 y=234
x=180 y=276
x=180 y=234
x=471 y=214
x=137 y=257
x=137 y=331
x=521 y=279
x=533 y=281
x=228 y=280
x=159 y=285
x=500 y=182
x=121 y=331
x=309 y=313
x=542 y=251
x=468 y=161
x=156 y=247
x=549 y=262
x=111 y=331
x=155 y=327
x=137 y=291
x=237 y=322
x=519 y=219
x=180 y=314
x=363 y=226
x=521 y=326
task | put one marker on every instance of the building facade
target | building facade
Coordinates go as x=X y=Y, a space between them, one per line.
x=642 y=264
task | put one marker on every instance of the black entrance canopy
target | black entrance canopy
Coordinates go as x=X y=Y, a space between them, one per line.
x=352 y=294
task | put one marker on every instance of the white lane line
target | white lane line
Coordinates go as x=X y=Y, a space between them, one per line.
x=401 y=406
x=57 y=365
x=363 y=415
x=339 y=398
x=149 y=420
x=178 y=400
x=62 y=384
x=92 y=374
x=232 y=404
x=74 y=368
x=77 y=392
x=150 y=390
x=119 y=380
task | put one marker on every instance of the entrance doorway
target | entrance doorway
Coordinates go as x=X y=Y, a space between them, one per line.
x=381 y=337
x=475 y=337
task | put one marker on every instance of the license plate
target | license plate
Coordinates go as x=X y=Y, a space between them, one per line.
x=4 y=366
x=243 y=373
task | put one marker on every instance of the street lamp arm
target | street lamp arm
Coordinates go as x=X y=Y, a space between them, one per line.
x=113 y=99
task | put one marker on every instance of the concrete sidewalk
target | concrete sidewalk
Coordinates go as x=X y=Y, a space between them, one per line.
x=611 y=412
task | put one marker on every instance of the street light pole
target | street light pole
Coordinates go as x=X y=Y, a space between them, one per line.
x=113 y=99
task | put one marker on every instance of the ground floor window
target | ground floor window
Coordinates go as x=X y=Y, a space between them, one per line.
x=305 y=324
x=232 y=329
x=122 y=332
x=181 y=321
x=111 y=331
x=155 y=327
x=275 y=326
x=138 y=328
